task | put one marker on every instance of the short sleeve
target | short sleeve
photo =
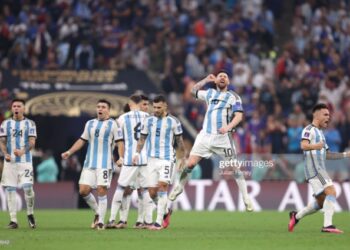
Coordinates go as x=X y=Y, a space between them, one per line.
x=32 y=129
x=3 y=130
x=236 y=104
x=144 y=127
x=85 y=135
x=306 y=134
x=117 y=132
x=178 y=128
x=202 y=95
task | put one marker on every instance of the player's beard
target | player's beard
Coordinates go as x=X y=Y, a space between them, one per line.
x=221 y=86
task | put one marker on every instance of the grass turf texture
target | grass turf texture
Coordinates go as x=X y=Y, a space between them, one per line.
x=69 y=229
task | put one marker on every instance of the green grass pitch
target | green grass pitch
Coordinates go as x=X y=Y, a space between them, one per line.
x=69 y=229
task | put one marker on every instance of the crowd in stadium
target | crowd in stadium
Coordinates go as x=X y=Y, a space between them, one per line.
x=181 y=41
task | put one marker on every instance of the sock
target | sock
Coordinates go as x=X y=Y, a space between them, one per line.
x=309 y=209
x=162 y=201
x=185 y=176
x=91 y=201
x=12 y=203
x=140 y=210
x=242 y=185
x=102 y=208
x=29 y=196
x=328 y=208
x=116 y=202
x=125 y=207
x=148 y=206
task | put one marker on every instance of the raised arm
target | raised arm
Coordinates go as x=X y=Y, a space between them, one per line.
x=199 y=85
x=76 y=146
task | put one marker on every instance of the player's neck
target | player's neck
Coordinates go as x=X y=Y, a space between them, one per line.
x=221 y=90
x=18 y=118
x=315 y=124
x=103 y=119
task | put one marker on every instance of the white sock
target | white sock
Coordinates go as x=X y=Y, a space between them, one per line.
x=12 y=203
x=328 y=208
x=29 y=196
x=124 y=211
x=242 y=185
x=148 y=205
x=116 y=202
x=309 y=209
x=162 y=201
x=102 y=208
x=140 y=210
x=91 y=201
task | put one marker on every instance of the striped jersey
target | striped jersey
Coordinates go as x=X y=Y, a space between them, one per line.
x=161 y=132
x=17 y=135
x=221 y=106
x=101 y=136
x=130 y=124
x=315 y=160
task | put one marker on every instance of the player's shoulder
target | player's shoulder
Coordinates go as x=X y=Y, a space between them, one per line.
x=143 y=114
x=233 y=94
x=170 y=116
x=309 y=128
x=6 y=121
x=31 y=122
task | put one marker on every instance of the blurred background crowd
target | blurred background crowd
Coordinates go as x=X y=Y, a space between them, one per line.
x=282 y=56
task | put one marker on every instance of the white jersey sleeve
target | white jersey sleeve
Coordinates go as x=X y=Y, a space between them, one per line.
x=3 y=129
x=32 y=129
x=201 y=95
x=85 y=136
x=177 y=129
x=307 y=134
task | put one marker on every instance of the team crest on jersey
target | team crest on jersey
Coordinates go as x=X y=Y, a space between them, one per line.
x=2 y=130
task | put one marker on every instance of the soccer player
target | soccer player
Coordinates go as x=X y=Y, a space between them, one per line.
x=224 y=113
x=17 y=139
x=160 y=130
x=316 y=152
x=101 y=133
x=130 y=124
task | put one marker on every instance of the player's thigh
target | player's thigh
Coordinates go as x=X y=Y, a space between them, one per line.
x=104 y=177
x=9 y=176
x=166 y=171
x=151 y=173
x=127 y=176
x=319 y=183
x=88 y=178
x=201 y=147
x=25 y=173
x=141 y=179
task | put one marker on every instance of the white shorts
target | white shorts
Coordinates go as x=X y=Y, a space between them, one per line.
x=206 y=145
x=159 y=171
x=133 y=176
x=96 y=177
x=17 y=174
x=320 y=182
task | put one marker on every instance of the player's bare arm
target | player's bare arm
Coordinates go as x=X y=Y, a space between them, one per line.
x=182 y=150
x=3 y=142
x=121 y=149
x=305 y=145
x=76 y=146
x=27 y=148
x=337 y=156
x=199 y=85
x=140 y=144
x=238 y=117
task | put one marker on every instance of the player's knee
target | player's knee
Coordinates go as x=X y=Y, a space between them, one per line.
x=101 y=190
x=84 y=191
x=152 y=192
x=28 y=189
x=128 y=191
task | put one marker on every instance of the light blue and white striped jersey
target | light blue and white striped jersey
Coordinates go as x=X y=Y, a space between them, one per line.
x=315 y=160
x=17 y=134
x=101 y=136
x=161 y=132
x=131 y=123
x=221 y=106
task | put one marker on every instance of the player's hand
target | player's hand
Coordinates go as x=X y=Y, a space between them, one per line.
x=319 y=145
x=19 y=152
x=210 y=78
x=120 y=162
x=7 y=157
x=65 y=155
x=135 y=159
x=224 y=130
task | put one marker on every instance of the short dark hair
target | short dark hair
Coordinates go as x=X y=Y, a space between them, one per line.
x=224 y=71
x=105 y=101
x=319 y=106
x=18 y=100
x=135 y=98
x=144 y=98
x=126 y=108
x=159 y=98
